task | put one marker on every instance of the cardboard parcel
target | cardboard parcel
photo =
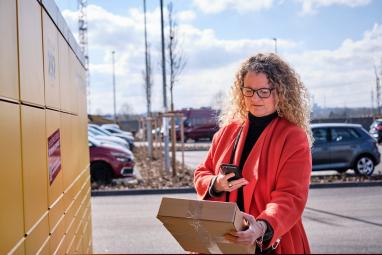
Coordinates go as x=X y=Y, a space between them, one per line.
x=200 y=226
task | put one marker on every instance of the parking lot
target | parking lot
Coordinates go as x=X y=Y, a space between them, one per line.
x=337 y=220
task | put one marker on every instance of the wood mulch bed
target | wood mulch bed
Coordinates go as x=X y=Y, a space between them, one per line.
x=154 y=177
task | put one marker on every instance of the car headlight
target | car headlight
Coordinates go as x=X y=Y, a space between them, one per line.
x=121 y=156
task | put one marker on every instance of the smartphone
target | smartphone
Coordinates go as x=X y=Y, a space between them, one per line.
x=230 y=168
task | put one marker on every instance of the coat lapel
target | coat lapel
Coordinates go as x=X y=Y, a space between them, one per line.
x=226 y=153
x=237 y=156
x=251 y=166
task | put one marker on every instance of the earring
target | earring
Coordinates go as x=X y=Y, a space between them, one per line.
x=278 y=111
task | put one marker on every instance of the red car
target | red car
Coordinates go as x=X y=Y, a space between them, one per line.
x=199 y=123
x=108 y=161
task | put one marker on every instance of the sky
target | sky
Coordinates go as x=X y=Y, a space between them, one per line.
x=332 y=44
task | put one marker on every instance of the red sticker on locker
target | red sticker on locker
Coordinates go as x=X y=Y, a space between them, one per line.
x=54 y=155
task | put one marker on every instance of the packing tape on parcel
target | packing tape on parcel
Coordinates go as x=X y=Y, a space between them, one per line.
x=194 y=212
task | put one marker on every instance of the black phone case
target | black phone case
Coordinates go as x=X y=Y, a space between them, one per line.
x=230 y=168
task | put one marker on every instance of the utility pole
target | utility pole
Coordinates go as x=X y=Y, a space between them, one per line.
x=165 y=122
x=114 y=98
x=275 y=39
x=148 y=94
x=83 y=40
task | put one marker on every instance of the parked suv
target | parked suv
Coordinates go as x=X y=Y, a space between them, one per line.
x=108 y=161
x=341 y=146
x=376 y=130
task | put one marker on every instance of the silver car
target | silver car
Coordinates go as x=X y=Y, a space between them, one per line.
x=340 y=146
x=100 y=136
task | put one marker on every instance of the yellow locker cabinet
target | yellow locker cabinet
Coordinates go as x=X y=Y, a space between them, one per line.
x=30 y=52
x=51 y=75
x=11 y=196
x=8 y=50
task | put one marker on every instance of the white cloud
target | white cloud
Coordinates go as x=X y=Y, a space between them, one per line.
x=216 y=6
x=242 y=6
x=311 y=6
x=341 y=76
x=185 y=16
x=207 y=56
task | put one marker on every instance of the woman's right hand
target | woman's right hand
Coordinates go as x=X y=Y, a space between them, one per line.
x=222 y=183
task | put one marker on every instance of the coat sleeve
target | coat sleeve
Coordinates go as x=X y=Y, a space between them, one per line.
x=288 y=199
x=204 y=173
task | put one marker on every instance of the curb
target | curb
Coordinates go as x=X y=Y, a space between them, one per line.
x=96 y=193
x=345 y=185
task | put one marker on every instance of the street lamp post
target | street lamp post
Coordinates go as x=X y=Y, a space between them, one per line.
x=114 y=99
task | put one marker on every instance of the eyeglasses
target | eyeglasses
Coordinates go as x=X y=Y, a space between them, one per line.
x=261 y=92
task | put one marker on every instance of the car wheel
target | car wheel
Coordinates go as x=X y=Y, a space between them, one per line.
x=101 y=173
x=364 y=165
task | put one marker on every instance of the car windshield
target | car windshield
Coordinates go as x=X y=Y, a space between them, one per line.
x=101 y=130
x=93 y=132
x=114 y=130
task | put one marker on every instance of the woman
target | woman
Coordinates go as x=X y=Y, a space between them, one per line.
x=269 y=118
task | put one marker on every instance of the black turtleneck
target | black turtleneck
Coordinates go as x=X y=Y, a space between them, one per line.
x=256 y=127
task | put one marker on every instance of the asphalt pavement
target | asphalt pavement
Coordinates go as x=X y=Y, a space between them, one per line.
x=337 y=220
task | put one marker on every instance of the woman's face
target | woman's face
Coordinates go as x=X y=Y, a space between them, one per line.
x=256 y=105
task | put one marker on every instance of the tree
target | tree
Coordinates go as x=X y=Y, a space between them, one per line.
x=147 y=76
x=177 y=63
x=124 y=111
x=218 y=100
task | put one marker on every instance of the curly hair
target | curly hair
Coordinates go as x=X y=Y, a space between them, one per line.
x=293 y=98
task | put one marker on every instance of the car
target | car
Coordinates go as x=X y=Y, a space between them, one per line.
x=111 y=125
x=128 y=136
x=114 y=130
x=108 y=161
x=376 y=130
x=125 y=136
x=104 y=137
x=107 y=143
x=340 y=146
x=198 y=124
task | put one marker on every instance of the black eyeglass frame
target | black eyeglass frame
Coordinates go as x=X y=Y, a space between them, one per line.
x=256 y=91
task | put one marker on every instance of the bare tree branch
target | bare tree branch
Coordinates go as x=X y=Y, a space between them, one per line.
x=177 y=60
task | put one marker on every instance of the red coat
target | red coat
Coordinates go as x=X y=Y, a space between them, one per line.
x=278 y=170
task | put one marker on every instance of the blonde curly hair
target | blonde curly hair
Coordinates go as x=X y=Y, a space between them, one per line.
x=293 y=98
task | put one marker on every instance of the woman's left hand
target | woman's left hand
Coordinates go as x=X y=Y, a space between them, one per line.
x=254 y=231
